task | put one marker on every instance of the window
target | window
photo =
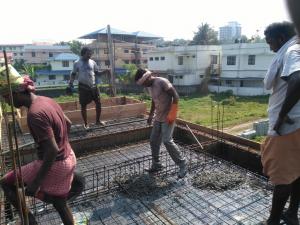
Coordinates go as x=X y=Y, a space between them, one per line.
x=21 y=54
x=156 y=58
x=214 y=59
x=50 y=54
x=126 y=61
x=145 y=61
x=52 y=77
x=241 y=83
x=33 y=54
x=133 y=61
x=231 y=60
x=138 y=61
x=162 y=58
x=151 y=58
x=194 y=56
x=126 y=51
x=251 y=60
x=180 y=60
x=145 y=51
x=107 y=63
x=228 y=82
x=106 y=51
x=15 y=54
x=65 y=63
x=66 y=77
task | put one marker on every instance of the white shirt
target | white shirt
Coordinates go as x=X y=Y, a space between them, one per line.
x=291 y=64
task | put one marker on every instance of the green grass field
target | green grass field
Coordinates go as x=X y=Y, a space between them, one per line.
x=208 y=109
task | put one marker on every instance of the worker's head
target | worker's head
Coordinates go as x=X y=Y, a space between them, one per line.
x=143 y=77
x=86 y=53
x=294 y=10
x=277 y=34
x=21 y=87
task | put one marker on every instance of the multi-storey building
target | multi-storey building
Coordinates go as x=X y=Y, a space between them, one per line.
x=186 y=65
x=16 y=50
x=244 y=66
x=59 y=74
x=230 y=32
x=127 y=48
x=40 y=54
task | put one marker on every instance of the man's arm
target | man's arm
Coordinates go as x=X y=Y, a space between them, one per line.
x=175 y=97
x=171 y=117
x=99 y=73
x=69 y=123
x=152 y=109
x=291 y=98
x=50 y=149
x=72 y=78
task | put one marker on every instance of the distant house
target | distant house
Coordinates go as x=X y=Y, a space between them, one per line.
x=9 y=56
x=16 y=51
x=243 y=69
x=59 y=74
x=39 y=54
x=185 y=65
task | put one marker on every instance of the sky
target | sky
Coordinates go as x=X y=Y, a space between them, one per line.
x=27 y=21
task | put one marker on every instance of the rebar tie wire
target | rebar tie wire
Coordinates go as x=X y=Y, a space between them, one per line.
x=12 y=126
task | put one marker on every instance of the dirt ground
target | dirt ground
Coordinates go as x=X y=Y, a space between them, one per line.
x=237 y=129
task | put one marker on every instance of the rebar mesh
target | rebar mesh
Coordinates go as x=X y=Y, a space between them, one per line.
x=109 y=200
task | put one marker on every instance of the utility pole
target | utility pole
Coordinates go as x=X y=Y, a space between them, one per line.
x=111 y=62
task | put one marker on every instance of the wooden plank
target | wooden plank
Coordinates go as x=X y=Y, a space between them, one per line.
x=112 y=110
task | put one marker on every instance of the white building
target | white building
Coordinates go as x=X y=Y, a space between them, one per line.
x=230 y=32
x=185 y=65
x=243 y=69
x=59 y=74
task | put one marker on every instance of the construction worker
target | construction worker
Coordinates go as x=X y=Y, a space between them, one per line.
x=50 y=177
x=280 y=152
x=165 y=105
x=86 y=69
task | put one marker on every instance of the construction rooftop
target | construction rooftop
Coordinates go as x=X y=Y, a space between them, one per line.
x=224 y=184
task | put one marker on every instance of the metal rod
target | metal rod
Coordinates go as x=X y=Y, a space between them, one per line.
x=23 y=209
x=196 y=139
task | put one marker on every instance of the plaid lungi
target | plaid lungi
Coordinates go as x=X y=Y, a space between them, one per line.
x=58 y=180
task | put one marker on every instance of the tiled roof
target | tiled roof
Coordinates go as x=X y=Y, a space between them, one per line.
x=65 y=57
x=114 y=31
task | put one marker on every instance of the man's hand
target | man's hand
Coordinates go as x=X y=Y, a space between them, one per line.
x=280 y=121
x=172 y=114
x=32 y=189
x=149 y=120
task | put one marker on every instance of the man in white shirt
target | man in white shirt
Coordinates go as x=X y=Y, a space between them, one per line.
x=280 y=153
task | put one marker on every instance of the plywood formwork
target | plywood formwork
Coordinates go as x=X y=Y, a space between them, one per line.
x=112 y=108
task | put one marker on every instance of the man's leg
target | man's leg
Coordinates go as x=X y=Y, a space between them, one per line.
x=98 y=111
x=61 y=205
x=77 y=186
x=10 y=195
x=281 y=194
x=84 y=114
x=155 y=142
x=96 y=98
x=176 y=155
x=291 y=215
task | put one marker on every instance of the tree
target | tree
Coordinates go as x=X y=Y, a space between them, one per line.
x=129 y=76
x=205 y=36
x=76 y=46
